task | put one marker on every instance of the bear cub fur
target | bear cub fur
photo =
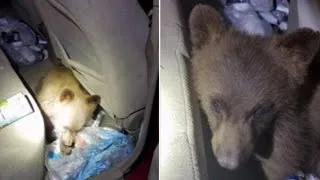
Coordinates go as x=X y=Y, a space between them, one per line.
x=66 y=104
x=248 y=87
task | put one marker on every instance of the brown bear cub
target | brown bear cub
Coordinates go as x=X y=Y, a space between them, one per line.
x=248 y=86
x=66 y=104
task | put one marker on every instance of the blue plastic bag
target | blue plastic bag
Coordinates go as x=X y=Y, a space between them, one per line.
x=302 y=176
x=21 y=43
x=104 y=148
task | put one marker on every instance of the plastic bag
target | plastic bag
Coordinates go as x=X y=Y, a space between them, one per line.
x=20 y=42
x=96 y=150
x=302 y=176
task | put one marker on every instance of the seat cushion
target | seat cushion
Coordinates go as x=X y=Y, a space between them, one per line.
x=22 y=142
x=181 y=142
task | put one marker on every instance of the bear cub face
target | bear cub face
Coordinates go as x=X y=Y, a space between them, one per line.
x=245 y=82
x=67 y=105
x=73 y=110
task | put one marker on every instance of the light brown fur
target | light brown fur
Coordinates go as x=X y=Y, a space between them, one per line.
x=67 y=105
x=252 y=90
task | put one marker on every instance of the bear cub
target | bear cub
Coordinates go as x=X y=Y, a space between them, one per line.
x=66 y=104
x=248 y=86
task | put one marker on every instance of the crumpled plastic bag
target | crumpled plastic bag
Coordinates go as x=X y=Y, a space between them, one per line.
x=96 y=150
x=247 y=21
x=302 y=176
x=21 y=43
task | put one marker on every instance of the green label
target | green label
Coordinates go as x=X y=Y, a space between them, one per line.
x=3 y=103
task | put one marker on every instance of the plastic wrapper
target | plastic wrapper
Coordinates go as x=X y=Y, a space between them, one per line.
x=21 y=43
x=96 y=150
x=302 y=176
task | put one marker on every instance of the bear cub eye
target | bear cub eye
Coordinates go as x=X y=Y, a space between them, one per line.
x=263 y=112
x=262 y=115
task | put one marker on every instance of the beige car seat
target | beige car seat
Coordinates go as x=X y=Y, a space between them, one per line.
x=22 y=142
x=104 y=43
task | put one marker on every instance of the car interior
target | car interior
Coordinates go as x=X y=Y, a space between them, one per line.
x=186 y=154
x=112 y=49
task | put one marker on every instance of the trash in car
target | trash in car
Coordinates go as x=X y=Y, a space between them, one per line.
x=302 y=176
x=21 y=43
x=96 y=150
x=263 y=17
x=14 y=108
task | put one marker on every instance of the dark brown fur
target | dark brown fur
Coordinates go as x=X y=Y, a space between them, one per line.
x=249 y=86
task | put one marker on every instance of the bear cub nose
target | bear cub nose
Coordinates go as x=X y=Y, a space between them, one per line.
x=229 y=160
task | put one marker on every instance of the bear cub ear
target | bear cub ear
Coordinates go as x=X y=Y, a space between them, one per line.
x=94 y=99
x=205 y=24
x=302 y=43
x=66 y=95
x=298 y=49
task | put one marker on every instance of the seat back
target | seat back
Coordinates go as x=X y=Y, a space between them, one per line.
x=182 y=146
x=103 y=42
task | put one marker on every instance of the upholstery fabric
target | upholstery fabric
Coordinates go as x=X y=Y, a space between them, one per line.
x=181 y=141
x=104 y=43
x=22 y=142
